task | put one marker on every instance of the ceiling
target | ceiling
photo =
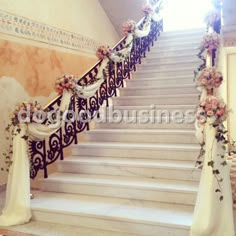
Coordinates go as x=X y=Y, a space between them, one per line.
x=120 y=11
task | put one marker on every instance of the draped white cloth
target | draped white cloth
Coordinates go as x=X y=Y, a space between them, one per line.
x=213 y=217
x=17 y=205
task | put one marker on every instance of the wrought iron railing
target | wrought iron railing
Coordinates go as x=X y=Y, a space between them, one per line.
x=44 y=153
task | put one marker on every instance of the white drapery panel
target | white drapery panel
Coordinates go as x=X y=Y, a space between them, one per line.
x=213 y=217
x=17 y=205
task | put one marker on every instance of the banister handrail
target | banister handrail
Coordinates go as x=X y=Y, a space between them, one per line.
x=92 y=67
x=44 y=153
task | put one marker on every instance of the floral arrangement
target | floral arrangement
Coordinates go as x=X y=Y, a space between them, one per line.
x=210 y=41
x=212 y=17
x=66 y=82
x=211 y=107
x=210 y=78
x=147 y=9
x=25 y=111
x=103 y=52
x=129 y=27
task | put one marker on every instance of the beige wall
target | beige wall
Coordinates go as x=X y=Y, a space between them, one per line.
x=85 y=17
x=29 y=65
x=227 y=65
x=231 y=73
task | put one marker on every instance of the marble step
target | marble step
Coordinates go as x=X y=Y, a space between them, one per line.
x=170 y=64
x=179 y=39
x=183 y=34
x=162 y=45
x=166 y=66
x=142 y=136
x=131 y=167
x=160 y=114
x=146 y=189
x=182 y=71
x=176 y=99
x=167 y=52
x=159 y=90
x=160 y=81
x=156 y=108
x=191 y=41
x=124 y=124
x=120 y=215
x=182 y=58
x=178 y=152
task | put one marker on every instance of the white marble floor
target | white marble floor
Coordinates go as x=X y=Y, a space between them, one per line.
x=48 y=229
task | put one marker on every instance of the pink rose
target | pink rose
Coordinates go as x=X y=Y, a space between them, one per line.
x=220 y=112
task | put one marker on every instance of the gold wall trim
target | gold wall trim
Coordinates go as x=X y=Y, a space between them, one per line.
x=22 y=27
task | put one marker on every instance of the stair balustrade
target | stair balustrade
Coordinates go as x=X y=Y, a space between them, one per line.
x=44 y=153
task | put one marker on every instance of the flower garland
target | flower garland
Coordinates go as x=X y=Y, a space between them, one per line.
x=103 y=52
x=25 y=112
x=210 y=42
x=147 y=9
x=129 y=27
x=209 y=78
x=65 y=83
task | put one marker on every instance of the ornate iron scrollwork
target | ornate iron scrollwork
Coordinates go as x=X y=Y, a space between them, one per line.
x=44 y=153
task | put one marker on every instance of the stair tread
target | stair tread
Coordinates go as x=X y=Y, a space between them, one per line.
x=124 y=181
x=169 y=63
x=138 y=162
x=170 y=56
x=143 y=131
x=124 y=210
x=190 y=76
x=193 y=85
x=166 y=107
x=159 y=96
x=104 y=145
x=167 y=70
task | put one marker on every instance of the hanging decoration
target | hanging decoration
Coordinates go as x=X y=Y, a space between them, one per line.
x=210 y=42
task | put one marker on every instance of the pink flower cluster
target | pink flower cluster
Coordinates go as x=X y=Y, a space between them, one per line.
x=210 y=78
x=103 y=52
x=210 y=41
x=129 y=27
x=66 y=82
x=25 y=109
x=212 y=17
x=211 y=107
x=147 y=9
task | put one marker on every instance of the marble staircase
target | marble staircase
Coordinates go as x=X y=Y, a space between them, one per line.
x=135 y=178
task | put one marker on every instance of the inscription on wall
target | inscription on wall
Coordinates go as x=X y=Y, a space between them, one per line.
x=18 y=26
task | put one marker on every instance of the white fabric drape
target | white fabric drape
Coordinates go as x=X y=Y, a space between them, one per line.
x=213 y=217
x=89 y=90
x=17 y=205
